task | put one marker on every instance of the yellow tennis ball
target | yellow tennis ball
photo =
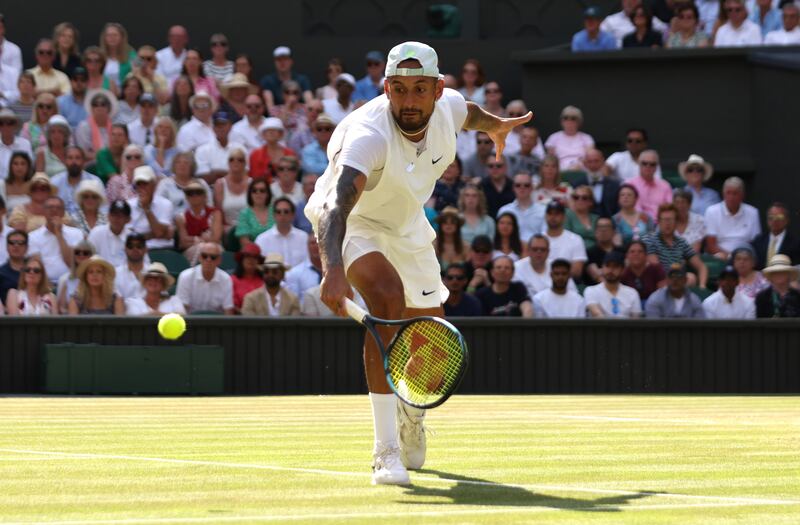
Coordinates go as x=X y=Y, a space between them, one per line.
x=171 y=326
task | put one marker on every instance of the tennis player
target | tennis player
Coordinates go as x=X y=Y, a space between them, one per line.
x=367 y=212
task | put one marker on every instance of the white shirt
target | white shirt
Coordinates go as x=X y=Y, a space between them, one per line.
x=296 y=195
x=245 y=133
x=137 y=132
x=301 y=278
x=212 y=156
x=8 y=85
x=162 y=209
x=567 y=246
x=137 y=306
x=110 y=246
x=19 y=144
x=127 y=283
x=548 y=304
x=717 y=306
x=168 y=189
x=781 y=37
x=42 y=241
x=624 y=165
x=273 y=310
x=11 y=57
x=197 y=294
x=170 y=65
x=4 y=245
x=732 y=231
x=626 y=303
x=335 y=110
x=535 y=282
x=619 y=25
x=530 y=220
x=748 y=34
x=293 y=246
x=194 y=134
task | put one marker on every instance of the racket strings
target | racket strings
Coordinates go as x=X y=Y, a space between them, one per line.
x=425 y=361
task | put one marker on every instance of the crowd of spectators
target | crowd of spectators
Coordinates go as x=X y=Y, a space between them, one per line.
x=148 y=181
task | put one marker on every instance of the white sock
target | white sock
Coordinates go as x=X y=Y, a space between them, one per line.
x=383 y=417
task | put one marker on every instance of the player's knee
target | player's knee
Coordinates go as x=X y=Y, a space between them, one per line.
x=386 y=299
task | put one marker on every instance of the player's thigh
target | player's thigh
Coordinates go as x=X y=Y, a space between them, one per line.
x=371 y=273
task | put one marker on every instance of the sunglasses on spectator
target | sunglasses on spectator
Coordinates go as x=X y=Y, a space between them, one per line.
x=493 y=165
x=219 y=43
x=258 y=190
x=133 y=157
x=146 y=58
x=16 y=243
x=45 y=106
x=31 y=269
x=538 y=249
x=733 y=9
x=7 y=123
x=83 y=253
x=135 y=246
x=209 y=256
x=45 y=52
x=92 y=196
x=579 y=197
x=100 y=104
x=286 y=168
x=484 y=142
x=195 y=193
x=522 y=184
x=569 y=117
x=484 y=252
x=291 y=92
x=254 y=106
x=695 y=169
x=648 y=164
x=323 y=129
x=373 y=64
x=283 y=211
x=235 y=159
x=456 y=277
x=634 y=140
x=40 y=188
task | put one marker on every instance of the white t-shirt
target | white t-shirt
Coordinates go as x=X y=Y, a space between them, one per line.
x=170 y=65
x=781 y=37
x=293 y=247
x=732 y=231
x=748 y=34
x=296 y=195
x=126 y=283
x=42 y=241
x=335 y=110
x=201 y=295
x=137 y=132
x=624 y=165
x=548 y=304
x=717 y=306
x=137 y=306
x=569 y=149
x=194 y=134
x=109 y=246
x=211 y=156
x=244 y=133
x=626 y=303
x=533 y=281
x=400 y=174
x=567 y=246
x=162 y=209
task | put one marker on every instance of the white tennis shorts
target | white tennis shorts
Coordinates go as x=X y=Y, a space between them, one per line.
x=415 y=263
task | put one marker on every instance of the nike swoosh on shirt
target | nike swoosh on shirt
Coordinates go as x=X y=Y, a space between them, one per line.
x=427 y=293
x=437 y=160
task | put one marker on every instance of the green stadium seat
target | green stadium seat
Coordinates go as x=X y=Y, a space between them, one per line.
x=702 y=293
x=204 y=312
x=228 y=263
x=673 y=178
x=714 y=265
x=581 y=288
x=572 y=177
x=174 y=261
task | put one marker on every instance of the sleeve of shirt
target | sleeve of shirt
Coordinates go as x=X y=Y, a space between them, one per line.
x=164 y=212
x=711 y=223
x=750 y=312
x=458 y=107
x=580 y=307
x=182 y=292
x=538 y=310
x=590 y=296
x=227 y=303
x=365 y=151
x=579 y=251
x=688 y=251
x=203 y=160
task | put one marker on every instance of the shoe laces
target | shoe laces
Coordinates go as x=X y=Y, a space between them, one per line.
x=386 y=456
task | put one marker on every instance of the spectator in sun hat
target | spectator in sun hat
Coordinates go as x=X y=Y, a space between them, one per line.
x=199 y=130
x=247 y=276
x=264 y=161
x=341 y=106
x=780 y=299
x=50 y=156
x=696 y=172
x=156 y=300
x=90 y=198
x=271 y=83
x=109 y=239
x=273 y=300
x=94 y=133
x=236 y=91
x=371 y=85
x=726 y=302
x=591 y=37
x=674 y=300
x=95 y=294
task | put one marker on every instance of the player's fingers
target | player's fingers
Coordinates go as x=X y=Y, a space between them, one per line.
x=499 y=147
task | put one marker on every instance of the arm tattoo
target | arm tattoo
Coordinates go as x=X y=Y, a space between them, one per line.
x=333 y=223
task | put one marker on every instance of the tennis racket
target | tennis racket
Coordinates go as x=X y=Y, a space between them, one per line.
x=425 y=360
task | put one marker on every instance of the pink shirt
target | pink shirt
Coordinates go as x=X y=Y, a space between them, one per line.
x=651 y=194
x=569 y=149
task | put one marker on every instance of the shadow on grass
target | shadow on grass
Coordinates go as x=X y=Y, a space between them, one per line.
x=474 y=491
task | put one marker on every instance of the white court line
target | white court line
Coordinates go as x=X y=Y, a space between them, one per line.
x=337 y=473
x=381 y=515
x=636 y=419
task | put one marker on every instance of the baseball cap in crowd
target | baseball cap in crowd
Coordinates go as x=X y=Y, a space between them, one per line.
x=144 y=174
x=222 y=116
x=676 y=270
x=422 y=53
x=79 y=71
x=271 y=123
x=555 y=205
x=148 y=98
x=614 y=257
x=120 y=206
x=592 y=12
x=346 y=77
x=728 y=271
x=282 y=51
x=375 y=56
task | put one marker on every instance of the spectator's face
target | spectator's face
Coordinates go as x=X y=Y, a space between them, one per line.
x=677 y=284
x=210 y=257
x=153 y=284
x=93 y=63
x=523 y=187
x=284 y=64
x=177 y=37
x=505 y=226
x=313 y=109
x=19 y=169
x=484 y=144
x=549 y=172
x=736 y=12
x=283 y=214
x=640 y=18
x=612 y=272
x=236 y=162
x=497 y=168
x=192 y=62
x=604 y=230
x=694 y=174
x=17 y=246
x=743 y=263
x=469 y=74
x=221 y=129
x=528 y=138
x=117 y=220
x=344 y=89
x=182 y=87
x=309 y=181
x=480 y=257
x=255 y=108
x=101 y=108
x=471 y=199
x=53 y=209
x=493 y=93
x=452 y=173
x=555 y=219
x=131 y=91
x=90 y=201
x=728 y=284
x=182 y=166
x=45 y=53
x=583 y=199
x=74 y=161
x=45 y=108
x=133 y=159
x=412 y=99
x=593 y=161
x=502 y=270
x=259 y=193
x=112 y=37
x=272 y=136
x=455 y=279
x=57 y=135
x=287 y=173
x=648 y=164
x=323 y=132
x=682 y=205
x=628 y=5
x=78 y=85
x=144 y=189
x=135 y=251
x=375 y=69
x=273 y=275
x=249 y=264
x=666 y=222
x=539 y=250
x=118 y=139
x=8 y=127
x=560 y=277
x=780 y=279
x=627 y=198
x=33 y=270
x=635 y=143
x=196 y=199
x=202 y=109
x=733 y=197
x=95 y=275
x=777 y=220
x=148 y=111
x=40 y=192
x=791 y=17
x=636 y=255
x=591 y=24
x=148 y=60
x=570 y=124
x=686 y=19
x=291 y=95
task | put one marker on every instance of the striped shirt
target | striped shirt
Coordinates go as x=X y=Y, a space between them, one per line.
x=216 y=72
x=679 y=252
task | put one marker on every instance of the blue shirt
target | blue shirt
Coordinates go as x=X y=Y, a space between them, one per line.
x=300 y=219
x=72 y=110
x=67 y=191
x=772 y=22
x=701 y=201
x=313 y=158
x=366 y=90
x=603 y=42
x=272 y=83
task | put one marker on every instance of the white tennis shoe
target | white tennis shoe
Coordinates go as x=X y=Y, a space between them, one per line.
x=411 y=434
x=387 y=469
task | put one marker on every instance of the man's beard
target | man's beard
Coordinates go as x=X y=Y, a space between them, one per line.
x=73 y=170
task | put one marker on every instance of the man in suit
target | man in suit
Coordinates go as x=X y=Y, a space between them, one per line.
x=273 y=300
x=604 y=186
x=777 y=240
x=674 y=300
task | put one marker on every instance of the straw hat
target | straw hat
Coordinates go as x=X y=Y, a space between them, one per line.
x=95 y=260
x=40 y=178
x=251 y=250
x=157 y=269
x=450 y=212
x=275 y=260
x=780 y=263
x=238 y=80
x=696 y=160
x=90 y=186
x=205 y=95
x=112 y=100
x=195 y=185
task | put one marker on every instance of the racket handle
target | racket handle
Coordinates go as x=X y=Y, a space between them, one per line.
x=354 y=311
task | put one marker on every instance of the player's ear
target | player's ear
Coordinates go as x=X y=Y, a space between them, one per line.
x=439 y=88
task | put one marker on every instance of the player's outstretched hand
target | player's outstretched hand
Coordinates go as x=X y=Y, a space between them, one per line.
x=334 y=288
x=501 y=130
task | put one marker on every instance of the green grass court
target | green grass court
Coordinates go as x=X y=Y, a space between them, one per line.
x=493 y=459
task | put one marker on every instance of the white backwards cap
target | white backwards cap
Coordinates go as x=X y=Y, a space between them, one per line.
x=422 y=53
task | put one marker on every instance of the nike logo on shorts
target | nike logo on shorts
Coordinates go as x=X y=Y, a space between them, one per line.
x=428 y=293
x=434 y=162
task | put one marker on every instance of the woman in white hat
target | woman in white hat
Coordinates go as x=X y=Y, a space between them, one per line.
x=780 y=299
x=29 y=216
x=95 y=293
x=264 y=160
x=68 y=282
x=91 y=199
x=156 y=282
x=696 y=171
x=50 y=158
